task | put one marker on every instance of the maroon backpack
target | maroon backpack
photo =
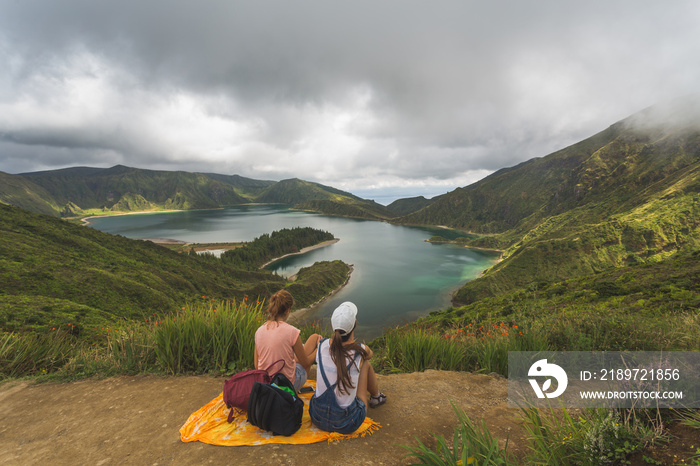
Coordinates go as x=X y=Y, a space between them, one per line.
x=237 y=388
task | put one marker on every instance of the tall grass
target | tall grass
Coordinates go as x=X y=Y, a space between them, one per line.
x=214 y=337
x=418 y=350
x=612 y=331
x=478 y=348
x=132 y=350
x=471 y=444
x=592 y=437
x=588 y=437
x=34 y=354
x=210 y=336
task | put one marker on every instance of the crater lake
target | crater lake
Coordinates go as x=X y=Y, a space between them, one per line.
x=397 y=275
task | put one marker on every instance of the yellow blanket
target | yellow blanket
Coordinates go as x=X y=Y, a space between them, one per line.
x=209 y=425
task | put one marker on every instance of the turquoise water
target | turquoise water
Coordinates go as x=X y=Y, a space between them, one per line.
x=397 y=276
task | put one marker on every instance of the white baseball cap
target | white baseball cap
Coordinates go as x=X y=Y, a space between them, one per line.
x=343 y=317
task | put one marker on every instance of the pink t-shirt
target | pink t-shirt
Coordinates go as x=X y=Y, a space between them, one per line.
x=275 y=341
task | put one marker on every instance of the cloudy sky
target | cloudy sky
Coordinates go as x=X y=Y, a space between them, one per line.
x=380 y=98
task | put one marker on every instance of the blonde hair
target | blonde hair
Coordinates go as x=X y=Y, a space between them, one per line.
x=280 y=303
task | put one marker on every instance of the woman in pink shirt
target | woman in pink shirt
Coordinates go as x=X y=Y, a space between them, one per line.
x=276 y=339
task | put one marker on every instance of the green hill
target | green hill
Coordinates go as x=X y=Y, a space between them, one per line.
x=406 y=206
x=645 y=307
x=21 y=192
x=83 y=191
x=295 y=191
x=54 y=273
x=347 y=208
x=128 y=189
x=630 y=194
x=315 y=197
x=245 y=187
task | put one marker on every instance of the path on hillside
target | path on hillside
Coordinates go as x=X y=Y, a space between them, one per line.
x=136 y=420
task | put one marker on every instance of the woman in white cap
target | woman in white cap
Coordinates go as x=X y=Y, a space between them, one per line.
x=345 y=380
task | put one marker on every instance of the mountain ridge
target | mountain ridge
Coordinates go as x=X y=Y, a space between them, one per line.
x=628 y=194
x=81 y=191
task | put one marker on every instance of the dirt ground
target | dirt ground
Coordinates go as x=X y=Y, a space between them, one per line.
x=136 y=420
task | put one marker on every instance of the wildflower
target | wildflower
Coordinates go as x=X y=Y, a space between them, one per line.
x=470 y=460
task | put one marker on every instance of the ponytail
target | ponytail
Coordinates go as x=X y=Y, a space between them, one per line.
x=280 y=303
x=340 y=353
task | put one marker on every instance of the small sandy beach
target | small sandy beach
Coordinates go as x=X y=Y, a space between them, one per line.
x=302 y=251
x=86 y=220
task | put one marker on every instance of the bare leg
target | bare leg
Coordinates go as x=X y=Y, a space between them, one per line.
x=367 y=382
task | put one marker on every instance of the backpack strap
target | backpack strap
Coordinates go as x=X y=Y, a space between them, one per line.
x=264 y=416
x=283 y=364
x=319 y=360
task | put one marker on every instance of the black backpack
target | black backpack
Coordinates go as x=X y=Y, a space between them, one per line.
x=273 y=409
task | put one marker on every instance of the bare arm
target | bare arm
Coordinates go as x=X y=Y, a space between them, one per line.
x=311 y=346
x=301 y=355
x=369 y=353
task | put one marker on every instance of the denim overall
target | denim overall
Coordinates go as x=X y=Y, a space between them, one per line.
x=325 y=412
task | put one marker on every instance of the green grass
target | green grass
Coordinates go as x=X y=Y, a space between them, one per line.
x=473 y=348
x=206 y=336
x=471 y=444
x=29 y=355
x=212 y=337
x=587 y=437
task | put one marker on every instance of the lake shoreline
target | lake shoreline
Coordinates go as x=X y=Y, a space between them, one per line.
x=394 y=272
x=299 y=314
x=86 y=220
x=302 y=251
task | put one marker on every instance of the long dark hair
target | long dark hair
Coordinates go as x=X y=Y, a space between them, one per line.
x=339 y=354
x=280 y=303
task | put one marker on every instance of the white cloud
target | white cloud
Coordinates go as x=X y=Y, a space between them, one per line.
x=361 y=96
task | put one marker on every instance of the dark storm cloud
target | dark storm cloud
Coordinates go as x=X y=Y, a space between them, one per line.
x=355 y=94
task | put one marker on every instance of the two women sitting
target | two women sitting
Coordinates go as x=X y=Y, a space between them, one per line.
x=345 y=380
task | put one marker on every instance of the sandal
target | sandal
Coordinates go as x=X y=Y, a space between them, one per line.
x=378 y=400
